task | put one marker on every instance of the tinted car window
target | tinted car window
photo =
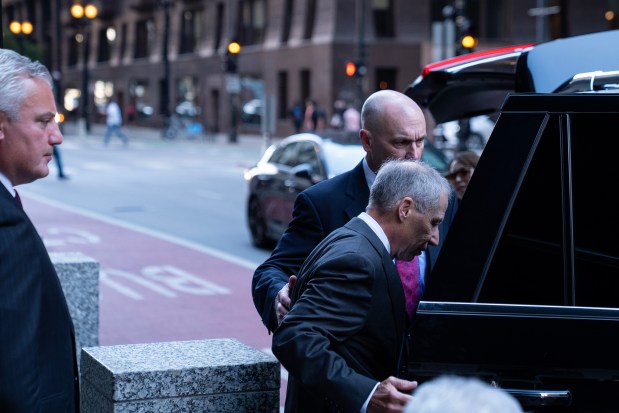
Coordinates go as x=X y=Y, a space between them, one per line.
x=286 y=155
x=341 y=158
x=308 y=154
x=539 y=228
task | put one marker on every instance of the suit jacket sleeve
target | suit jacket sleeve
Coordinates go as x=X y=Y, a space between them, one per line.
x=303 y=234
x=332 y=308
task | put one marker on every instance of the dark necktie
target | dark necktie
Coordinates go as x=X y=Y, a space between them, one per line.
x=409 y=274
x=18 y=200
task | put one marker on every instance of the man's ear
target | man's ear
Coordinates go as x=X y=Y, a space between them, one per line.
x=3 y=121
x=406 y=207
x=366 y=139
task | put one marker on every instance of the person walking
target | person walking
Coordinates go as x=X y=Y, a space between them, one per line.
x=38 y=364
x=113 y=123
x=343 y=340
x=58 y=159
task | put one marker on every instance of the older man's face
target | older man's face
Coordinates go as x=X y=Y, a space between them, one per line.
x=401 y=136
x=422 y=230
x=26 y=145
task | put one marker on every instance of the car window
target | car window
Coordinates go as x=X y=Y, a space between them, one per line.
x=308 y=154
x=286 y=154
x=341 y=158
x=560 y=215
x=537 y=225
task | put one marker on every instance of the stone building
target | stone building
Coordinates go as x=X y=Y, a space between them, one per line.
x=166 y=56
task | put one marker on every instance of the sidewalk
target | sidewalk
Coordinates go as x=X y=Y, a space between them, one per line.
x=141 y=134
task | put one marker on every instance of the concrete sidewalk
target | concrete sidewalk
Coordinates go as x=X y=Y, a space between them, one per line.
x=72 y=131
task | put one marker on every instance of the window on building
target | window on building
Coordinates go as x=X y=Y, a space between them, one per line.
x=73 y=52
x=282 y=94
x=190 y=31
x=123 y=40
x=218 y=26
x=187 y=92
x=494 y=22
x=287 y=21
x=140 y=94
x=310 y=19
x=252 y=22
x=382 y=14
x=107 y=37
x=144 y=37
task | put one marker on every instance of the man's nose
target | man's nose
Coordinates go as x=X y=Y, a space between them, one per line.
x=55 y=136
x=414 y=153
x=434 y=239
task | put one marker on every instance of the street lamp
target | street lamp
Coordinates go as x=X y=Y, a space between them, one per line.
x=83 y=15
x=233 y=85
x=165 y=83
x=20 y=29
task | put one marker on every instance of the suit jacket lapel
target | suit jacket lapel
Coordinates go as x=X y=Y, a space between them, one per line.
x=357 y=190
x=394 y=284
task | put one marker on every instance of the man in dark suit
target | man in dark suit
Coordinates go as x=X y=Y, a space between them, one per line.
x=393 y=127
x=342 y=341
x=38 y=365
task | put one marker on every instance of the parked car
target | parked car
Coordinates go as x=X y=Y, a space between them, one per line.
x=478 y=83
x=284 y=170
x=524 y=293
x=294 y=164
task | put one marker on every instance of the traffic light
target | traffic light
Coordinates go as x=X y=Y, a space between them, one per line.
x=355 y=69
x=468 y=43
x=351 y=69
x=230 y=57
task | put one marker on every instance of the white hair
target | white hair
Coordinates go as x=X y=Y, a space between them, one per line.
x=453 y=394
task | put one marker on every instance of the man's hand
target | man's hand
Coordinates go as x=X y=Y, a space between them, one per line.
x=282 y=301
x=391 y=395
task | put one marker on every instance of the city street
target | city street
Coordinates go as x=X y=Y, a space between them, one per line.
x=166 y=222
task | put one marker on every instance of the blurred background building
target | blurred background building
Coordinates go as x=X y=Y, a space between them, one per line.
x=165 y=57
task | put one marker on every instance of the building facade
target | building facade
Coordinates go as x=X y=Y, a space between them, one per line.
x=165 y=56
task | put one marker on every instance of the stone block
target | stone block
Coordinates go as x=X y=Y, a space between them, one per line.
x=79 y=277
x=218 y=375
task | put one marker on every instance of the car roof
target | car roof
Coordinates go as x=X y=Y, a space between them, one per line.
x=551 y=64
x=478 y=83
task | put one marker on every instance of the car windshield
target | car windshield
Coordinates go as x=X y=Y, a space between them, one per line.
x=341 y=158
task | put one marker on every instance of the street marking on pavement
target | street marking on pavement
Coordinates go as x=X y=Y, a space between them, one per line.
x=242 y=262
x=61 y=236
x=173 y=279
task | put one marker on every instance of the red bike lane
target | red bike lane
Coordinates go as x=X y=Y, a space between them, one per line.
x=154 y=288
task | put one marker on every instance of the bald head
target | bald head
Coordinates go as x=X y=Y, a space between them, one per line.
x=393 y=126
x=382 y=105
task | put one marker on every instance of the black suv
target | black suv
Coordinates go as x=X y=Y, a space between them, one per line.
x=525 y=291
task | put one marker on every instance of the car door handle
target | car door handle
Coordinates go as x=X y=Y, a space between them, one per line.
x=538 y=398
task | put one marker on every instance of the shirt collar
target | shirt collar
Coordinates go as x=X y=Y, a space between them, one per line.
x=370 y=175
x=377 y=229
x=7 y=184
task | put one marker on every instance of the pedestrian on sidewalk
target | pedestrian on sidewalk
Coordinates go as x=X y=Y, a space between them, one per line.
x=38 y=362
x=58 y=159
x=113 y=123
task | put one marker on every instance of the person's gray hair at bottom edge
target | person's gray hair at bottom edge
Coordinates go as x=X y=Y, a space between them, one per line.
x=454 y=394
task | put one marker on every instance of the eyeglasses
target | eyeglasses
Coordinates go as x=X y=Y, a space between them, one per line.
x=463 y=173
